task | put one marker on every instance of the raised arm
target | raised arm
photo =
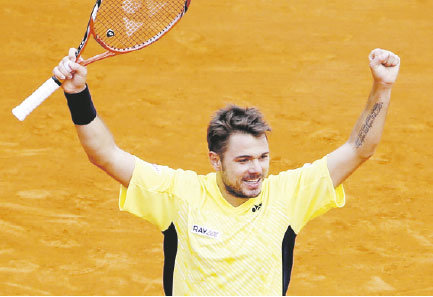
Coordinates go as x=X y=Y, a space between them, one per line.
x=96 y=139
x=368 y=129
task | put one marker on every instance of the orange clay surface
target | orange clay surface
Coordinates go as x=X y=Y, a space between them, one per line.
x=303 y=63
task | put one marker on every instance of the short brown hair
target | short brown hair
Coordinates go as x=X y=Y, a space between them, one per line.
x=231 y=119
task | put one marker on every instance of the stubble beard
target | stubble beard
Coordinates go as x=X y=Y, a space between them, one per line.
x=237 y=190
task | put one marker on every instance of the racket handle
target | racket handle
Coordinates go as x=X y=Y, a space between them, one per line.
x=35 y=99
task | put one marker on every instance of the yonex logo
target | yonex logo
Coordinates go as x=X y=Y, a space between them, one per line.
x=204 y=231
x=256 y=207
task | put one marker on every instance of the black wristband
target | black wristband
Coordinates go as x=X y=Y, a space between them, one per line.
x=81 y=107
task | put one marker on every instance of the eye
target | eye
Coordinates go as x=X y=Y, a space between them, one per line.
x=243 y=161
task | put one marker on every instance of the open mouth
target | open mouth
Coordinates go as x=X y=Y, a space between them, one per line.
x=252 y=183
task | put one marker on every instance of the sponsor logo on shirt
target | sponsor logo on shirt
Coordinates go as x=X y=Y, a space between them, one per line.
x=157 y=168
x=205 y=231
x=256 y=207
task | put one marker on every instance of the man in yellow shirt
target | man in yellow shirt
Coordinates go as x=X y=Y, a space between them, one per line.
x=230 y=232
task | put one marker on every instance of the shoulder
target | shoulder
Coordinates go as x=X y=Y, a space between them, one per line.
x=301 y=176
x=317 y=167
x=163 y=177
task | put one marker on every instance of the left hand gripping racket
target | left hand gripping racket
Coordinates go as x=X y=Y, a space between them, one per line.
x=119 y=26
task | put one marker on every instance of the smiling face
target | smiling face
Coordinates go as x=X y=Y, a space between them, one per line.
x=243 y=166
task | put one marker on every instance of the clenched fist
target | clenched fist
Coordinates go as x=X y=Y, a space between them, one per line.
x=384 y=66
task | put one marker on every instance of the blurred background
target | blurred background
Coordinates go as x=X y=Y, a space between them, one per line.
x=304 y=64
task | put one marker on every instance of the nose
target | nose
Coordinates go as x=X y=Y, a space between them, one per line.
x=255 y=166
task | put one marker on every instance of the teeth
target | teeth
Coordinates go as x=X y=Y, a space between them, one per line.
x=252 y=180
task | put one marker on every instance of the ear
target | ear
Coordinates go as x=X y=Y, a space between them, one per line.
x=215 y=160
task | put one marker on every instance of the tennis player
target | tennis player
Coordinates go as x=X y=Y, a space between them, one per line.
x=232 y=231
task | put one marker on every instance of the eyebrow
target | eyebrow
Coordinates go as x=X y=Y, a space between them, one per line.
x=250 y=156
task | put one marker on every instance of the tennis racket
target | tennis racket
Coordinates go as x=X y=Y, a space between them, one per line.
x=119 y=26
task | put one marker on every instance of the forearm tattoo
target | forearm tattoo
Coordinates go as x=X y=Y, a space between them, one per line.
x=368 y=124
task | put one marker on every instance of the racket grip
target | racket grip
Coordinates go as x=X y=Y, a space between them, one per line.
x=35 y=99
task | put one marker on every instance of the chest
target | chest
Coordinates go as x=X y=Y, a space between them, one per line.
x=210 y=233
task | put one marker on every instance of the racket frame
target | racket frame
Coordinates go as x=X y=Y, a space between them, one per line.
x=110 y=52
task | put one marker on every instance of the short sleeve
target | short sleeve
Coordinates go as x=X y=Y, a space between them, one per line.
x=309 y=192
x=152 y=192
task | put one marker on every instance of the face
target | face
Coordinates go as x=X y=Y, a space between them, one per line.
x=245 y=164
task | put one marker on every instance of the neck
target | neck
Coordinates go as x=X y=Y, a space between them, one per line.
x=230 y=198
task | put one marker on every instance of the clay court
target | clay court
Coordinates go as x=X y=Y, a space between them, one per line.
x=304 y=64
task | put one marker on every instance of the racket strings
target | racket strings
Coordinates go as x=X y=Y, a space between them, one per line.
x=131 y=24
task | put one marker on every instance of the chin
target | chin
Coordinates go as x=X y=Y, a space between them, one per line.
x=243 y=194
x=242 y=191
x=252 y=194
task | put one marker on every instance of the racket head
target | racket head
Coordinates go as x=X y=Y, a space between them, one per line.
x=122 y=26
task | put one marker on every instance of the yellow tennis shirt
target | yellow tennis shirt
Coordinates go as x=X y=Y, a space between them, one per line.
x=226 y=250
